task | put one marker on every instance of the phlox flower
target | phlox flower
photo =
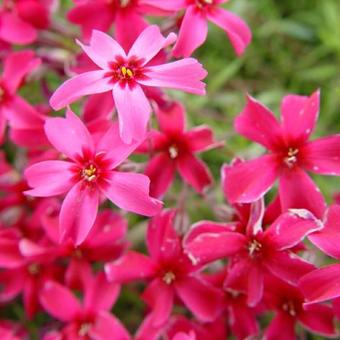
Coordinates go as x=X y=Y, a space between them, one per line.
x=256 y=252
x=17 y=66
x=90 y=319
x=126 y=75
x=20 y=20
x=170 y=271
x=173 y=149
x=194 y=28
x=89 y=173
x=290 y=155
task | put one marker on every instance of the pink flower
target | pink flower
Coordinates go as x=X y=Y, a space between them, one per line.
x=126 y=75
x=88 y=174
x=17 y=66
x=20 y=20
x=194 y=27
x=290 y=155
x=173 y=149
x=127 y=16
x=171 y=272
x=288 y=303
x=91 y=319
x=258 y=251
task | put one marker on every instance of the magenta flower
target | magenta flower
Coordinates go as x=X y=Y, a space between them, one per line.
x=88 y=174
x=126 y=75
x=288 y=303
x=194 y=28
x=324 y=283
x=127 y=16
x=91 y=319
x=174 y=149
x=256 y=252
x=21 y=20
x=17 y=66
x=290 y=155
x=171 y=272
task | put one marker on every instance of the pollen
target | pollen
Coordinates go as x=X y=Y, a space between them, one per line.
x=33 y=269
x=84 y=329
x=291 y=158
x=173 y=152
x=169 y=277
x=126 y=72
x=90 y=173
x=124 y=3
x=254 y=247
x=289 y=308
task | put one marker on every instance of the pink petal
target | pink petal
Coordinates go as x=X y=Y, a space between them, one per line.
x=106 y=325
x=12 y=282
x=95 y=56
x=116 y=150
x=194 y=171
x=248 y=328
x=255 y=220
x=192 y=34
x=292 y=184
x=282 y=327
x=202 y=300
x=322 y=155
x=16 y=31
x=131 y=266
x=130 y=191
x=160 y=297
x=318 y=318
x=160 y=180
x=287 y=266
x=321 y=284
x=168 y=5
x=248 y=181
x=149 y=43
x=84 y=84
x=236 y=29
x=185 y=74
x=49 y=178
x=171 y=118
x=201 y=138
x=212 y=243
x=257 y=123
x=291 y=228
x=299 y=116
x=133 y=112
x=129 y=24
x=16 y=66
x=78 y=213
x=328 y=239
x=51 y=296
x=255 y=284
x=10 y=256
x=100 y=294
x=69 y=135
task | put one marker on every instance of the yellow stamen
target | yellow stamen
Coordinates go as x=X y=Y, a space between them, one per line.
x=90 y=173
x=254 y=247
x=126 y=72
x=169 y=277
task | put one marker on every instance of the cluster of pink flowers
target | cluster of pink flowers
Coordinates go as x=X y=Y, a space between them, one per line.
x=66 y=249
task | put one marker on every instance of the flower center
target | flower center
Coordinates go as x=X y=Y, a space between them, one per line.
x=126 y=73
x=204 y=3
x=90 y=173
x=33 y=269
x=169 y=277
x=2 y=94
x=124 y=3
x=173 y=152
x=84 y=329
x=291 y=158
x=289 y=308
x=254 y=247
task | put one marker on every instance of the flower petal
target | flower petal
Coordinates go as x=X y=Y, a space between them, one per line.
x=49 y=178
x=149 y=43
x=92 y=82
x=133 y=112
x=50 y=297
x=321 y=284
x=193 y=32
x=130 y=191
x=201 y=138
x=185 y=74
x=322 y=155
x=78 y=213
x=299 y=115
x=171 y=118
x=237 y=30
x=248 y=181
x=282 y=321
x=293 y=182
x=257 y=123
